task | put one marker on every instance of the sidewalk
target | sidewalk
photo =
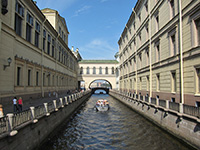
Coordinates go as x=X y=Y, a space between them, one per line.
x=34 y=102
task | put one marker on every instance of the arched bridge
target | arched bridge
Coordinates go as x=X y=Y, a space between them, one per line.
x=100 y=88
x=93 y=70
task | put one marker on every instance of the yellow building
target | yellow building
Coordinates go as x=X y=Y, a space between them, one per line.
x=159 y=51
x=34 y=54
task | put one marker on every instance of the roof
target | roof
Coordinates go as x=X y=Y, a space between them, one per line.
x=98 y=62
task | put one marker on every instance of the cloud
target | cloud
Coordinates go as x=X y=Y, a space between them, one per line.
x=60 y=5
x=82 y=10
x=101 y=49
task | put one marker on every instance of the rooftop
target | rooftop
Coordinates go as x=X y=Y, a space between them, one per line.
x=98 y=62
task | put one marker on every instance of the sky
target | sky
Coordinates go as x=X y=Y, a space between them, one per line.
x=95 y=26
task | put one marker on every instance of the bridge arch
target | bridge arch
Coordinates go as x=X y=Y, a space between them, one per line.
x=89 y=86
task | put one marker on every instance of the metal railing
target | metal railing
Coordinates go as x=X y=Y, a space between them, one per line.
x=162 y=103
x=189 y=110
x=11 y=121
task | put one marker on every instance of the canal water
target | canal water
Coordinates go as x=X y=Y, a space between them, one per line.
x=120 y=128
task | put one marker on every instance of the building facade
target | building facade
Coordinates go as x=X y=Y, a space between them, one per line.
x=159 y=51
x=34 y=54
x=94 y=70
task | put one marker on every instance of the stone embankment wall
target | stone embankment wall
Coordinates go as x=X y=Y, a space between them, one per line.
x=183 y=126
x=40 y=123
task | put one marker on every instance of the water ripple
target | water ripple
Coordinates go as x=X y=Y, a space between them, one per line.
x=117 y=129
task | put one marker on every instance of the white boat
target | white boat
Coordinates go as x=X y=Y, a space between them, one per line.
x=102 y=105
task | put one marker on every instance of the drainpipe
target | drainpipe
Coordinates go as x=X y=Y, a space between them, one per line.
x=136 y=89
x=42 y=86
x=181 y=57
x=150 y=63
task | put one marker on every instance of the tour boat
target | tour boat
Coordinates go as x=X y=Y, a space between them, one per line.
x=102 y=105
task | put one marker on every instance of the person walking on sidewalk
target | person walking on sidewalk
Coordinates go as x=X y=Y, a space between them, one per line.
x=1 y=111
x=20 y=103
x=15 y=105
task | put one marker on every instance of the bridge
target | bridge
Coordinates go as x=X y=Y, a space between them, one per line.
x=100 y=88
x=91 y=71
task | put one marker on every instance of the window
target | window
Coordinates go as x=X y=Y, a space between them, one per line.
x=37 y=33
x=158 y=82
x=88 y=70
x=140 y=38
x=94 y=70
x=172 y=8
x=48 y=44
x=113 y=70
x=147 y=31
x=49 y=78
x=197 y=24
x=43 y=79
x=147 y=83
x=157 y=49
x=19 y=15
x=53 y=82
x=81 y=71
x=140 y=83
x=130 y=84
x=52 y=49
x=18 y=76
x=173 y=45
x=146 y=6
x=157 y=21
x=106 y=70
x=44 y=39
x=60 y=31
x=147 y=56
x=139 y=17
x=140 y=60
x=59 y=59
x=29 y=77
x=37 y=78
x=173 y=81
x=29 y=25
x=198 y=80
x=100 y=70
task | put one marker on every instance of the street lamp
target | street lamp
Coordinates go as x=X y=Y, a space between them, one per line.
x=9 y=60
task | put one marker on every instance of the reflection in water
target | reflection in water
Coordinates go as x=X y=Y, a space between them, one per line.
x=120 y=128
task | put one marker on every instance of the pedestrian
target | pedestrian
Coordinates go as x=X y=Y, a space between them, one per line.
x=15 y=105
x=1 y=111
x=20 y=103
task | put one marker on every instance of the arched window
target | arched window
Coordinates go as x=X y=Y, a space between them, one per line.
x=94 y=70
x=100 y=70
x=81 y=71
x=88 y=70
x=113 y=70
x=106 y=70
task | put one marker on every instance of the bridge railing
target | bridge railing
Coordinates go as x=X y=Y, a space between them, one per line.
x=11 y=121
x=166 y=104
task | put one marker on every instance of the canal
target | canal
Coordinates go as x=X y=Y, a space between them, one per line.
x=120 y=128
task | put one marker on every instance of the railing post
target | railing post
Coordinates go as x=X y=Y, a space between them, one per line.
x=167 y=104
x=150 y=100
x=10 y=125
x=46 y=109
x=70 y=100
x=61 y=102
x=55 y=107
x=33 y=115
x=66 y=102
x=157 y=101
x=181 y=108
